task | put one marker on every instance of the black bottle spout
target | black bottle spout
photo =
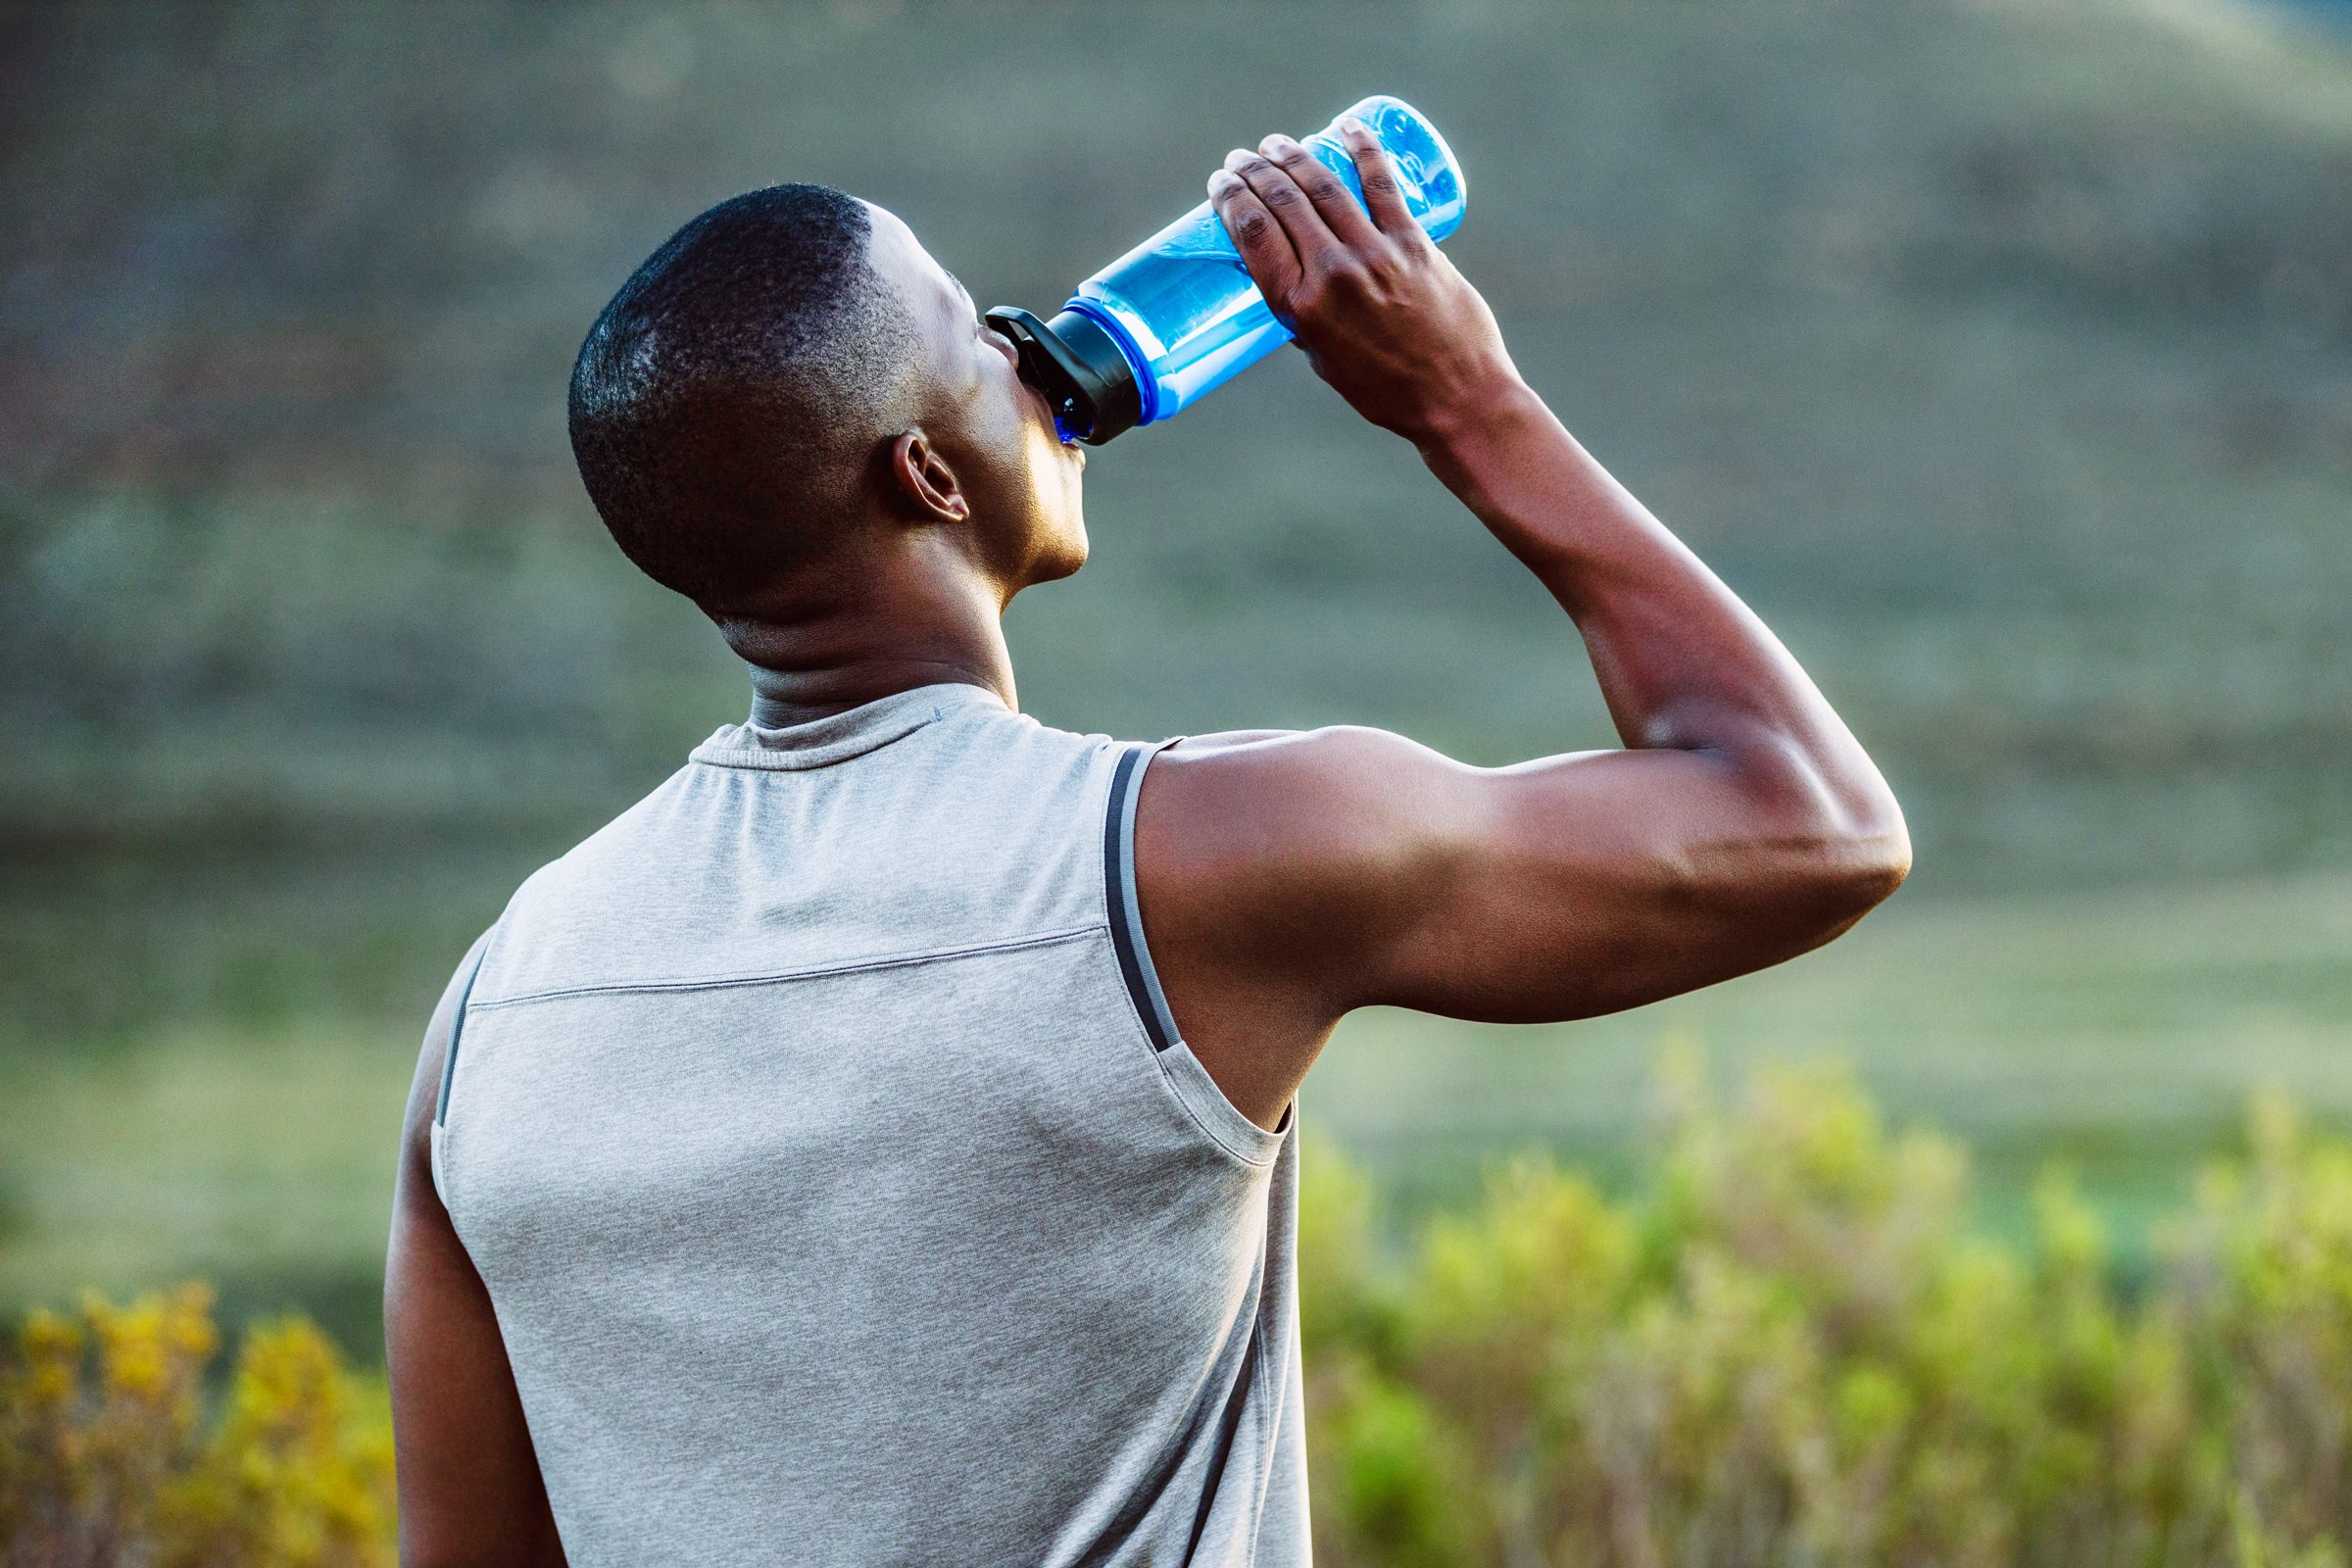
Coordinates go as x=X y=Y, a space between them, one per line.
x=1079 y=368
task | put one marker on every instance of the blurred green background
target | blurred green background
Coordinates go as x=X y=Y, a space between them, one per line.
x=1999 y=350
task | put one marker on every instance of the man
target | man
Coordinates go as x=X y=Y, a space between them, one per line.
x=875 y=1145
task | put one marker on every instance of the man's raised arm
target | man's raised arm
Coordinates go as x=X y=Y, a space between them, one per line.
x=1285 y=881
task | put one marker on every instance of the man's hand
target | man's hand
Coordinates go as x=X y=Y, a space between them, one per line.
x=1382 y=316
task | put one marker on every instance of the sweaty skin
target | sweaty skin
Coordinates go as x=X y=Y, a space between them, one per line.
x=1285 y=878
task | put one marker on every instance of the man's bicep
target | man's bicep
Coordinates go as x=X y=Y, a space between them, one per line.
x=1587 y=884
x=1367 y=869
x=470 y=1484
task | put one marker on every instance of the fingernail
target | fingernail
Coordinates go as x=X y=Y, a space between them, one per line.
x=1276 y=142
x=1238 y=157
x=1220 y=181
x=1355 y=127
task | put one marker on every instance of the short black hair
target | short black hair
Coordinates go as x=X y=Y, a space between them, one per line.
x=727 y=404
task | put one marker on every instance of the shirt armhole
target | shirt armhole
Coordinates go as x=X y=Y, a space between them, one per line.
x=1183 y=1072
x=449 y=1072
x=1125 y=911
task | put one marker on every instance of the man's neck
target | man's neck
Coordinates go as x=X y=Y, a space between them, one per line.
x=783 y=697
x=922 y=616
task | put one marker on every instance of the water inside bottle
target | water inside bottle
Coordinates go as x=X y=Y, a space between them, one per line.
x=1188 y=305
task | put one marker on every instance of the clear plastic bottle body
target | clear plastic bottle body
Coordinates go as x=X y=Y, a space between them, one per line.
x=1183 y=307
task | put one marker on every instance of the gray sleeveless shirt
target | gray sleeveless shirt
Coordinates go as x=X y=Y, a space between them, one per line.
x=843 y=1189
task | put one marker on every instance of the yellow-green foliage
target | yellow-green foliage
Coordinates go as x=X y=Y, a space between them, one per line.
x=107 y=1456
x=1789 y=1352
x=1786 y=1352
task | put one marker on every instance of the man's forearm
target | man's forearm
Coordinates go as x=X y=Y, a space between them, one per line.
x=1682 y=663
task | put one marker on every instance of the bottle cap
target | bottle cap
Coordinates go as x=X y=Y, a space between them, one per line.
x=1081 y=368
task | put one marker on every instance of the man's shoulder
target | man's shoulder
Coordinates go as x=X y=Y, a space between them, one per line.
x=1255 y=814
x=1307 y=773
x=602 y=869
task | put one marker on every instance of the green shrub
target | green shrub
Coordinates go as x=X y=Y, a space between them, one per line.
x=1789 y=1350
x=1786 y=1350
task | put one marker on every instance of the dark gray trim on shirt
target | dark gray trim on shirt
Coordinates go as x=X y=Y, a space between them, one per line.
x=1126 y=912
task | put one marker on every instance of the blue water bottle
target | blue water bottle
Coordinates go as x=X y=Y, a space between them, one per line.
x=1157 y=329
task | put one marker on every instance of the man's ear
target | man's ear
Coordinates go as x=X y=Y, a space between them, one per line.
x=924 y=482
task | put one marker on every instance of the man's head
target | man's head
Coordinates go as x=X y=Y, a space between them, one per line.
x=791 y=400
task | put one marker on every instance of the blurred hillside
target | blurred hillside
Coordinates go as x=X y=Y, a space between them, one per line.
x=2001 y=353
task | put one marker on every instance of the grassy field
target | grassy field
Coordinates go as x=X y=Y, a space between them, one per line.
x=2121 y=1033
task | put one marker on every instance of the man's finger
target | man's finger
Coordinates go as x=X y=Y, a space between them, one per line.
x=1382 y=193
x=1327 y=192
x=1265 y=249
x=1310 y=237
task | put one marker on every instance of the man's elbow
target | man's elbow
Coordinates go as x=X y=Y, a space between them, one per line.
x=1834 y=833
x=1857 y=866
x=1881 y=865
